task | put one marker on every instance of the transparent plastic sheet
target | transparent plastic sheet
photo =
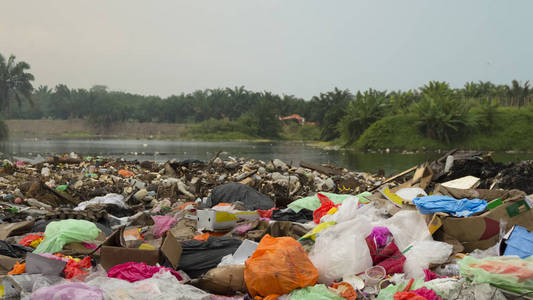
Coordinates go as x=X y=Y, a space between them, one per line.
x=341 y=250
x=71 y=291
x=407 y=227
x=507 y=272
x=424 y=253
x=59 y=233
x=162 y=286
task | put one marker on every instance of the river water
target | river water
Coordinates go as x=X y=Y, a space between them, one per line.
x=32 y=149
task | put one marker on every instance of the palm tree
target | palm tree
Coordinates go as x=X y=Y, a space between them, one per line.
x=15 y=82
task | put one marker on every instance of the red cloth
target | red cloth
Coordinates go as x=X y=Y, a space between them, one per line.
x=75 y=268
x=324 y=208
x=389 y=257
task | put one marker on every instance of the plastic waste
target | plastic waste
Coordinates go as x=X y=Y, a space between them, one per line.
x=116 y=199
x=411 y=193
x=507 y=272
x=457 y=208
x=312 y=202
x=162 y=224
x=317 y=292
x=161 y=286
x=278 y=266
x=424 y=253
x=341 y=250
x=133 y=271
x=71 y=291
x=325 y=207
x=59 y=233
x=18 y=268
x=407 y=227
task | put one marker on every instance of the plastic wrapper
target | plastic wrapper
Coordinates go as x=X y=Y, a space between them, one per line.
x=278 y=266
x=424 y=253
x=407 y=227
x=507 y=272
x=324 y=208
x=115 y=199
x=59 y=233
x=341 y=250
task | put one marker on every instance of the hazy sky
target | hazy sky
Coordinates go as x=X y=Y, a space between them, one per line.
x=299 y=47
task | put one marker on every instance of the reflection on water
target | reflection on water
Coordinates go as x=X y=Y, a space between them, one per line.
x=165 y=150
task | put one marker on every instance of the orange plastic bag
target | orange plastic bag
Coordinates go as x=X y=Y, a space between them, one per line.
x=18 y=269
x=126 y=173
x=278 y=266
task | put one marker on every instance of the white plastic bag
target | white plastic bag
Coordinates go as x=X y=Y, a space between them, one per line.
x=350 y=210
x=341 y=250
x=116 y=199
x=423 y=253
x=407 y=227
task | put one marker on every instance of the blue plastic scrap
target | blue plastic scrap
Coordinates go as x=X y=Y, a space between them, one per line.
x=446 y=204
x=520 y=243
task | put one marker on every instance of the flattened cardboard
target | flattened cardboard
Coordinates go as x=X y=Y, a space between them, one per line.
x=9 y=229
x=112 y=253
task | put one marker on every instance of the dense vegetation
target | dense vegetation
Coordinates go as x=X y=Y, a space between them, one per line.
x=433 y=116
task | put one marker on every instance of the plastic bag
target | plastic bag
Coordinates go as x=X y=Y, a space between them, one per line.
x=424 y=253
x=116 y=199
x=162 y=224
x=71 y=291
x=59 y=233
x=161 y=286
x=312 y=202
x=133 y=271
x=278 y=266
x=341 y=250
x=317 y=292
x=407 y=227
x=455 y=207
x=324 y=208
x=507 y=272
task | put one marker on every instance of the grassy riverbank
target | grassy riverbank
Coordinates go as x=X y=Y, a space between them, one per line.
x=510 y=129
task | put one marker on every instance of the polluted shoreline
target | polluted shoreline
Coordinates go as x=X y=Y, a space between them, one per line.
x=97 y=227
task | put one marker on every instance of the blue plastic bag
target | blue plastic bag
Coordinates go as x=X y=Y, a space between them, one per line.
x=446 y=204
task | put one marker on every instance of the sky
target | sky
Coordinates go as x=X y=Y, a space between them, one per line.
x=294 y=47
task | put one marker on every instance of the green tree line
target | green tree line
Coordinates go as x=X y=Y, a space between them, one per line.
x=442 y=112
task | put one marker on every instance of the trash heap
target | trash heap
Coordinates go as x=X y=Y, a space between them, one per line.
x=98 y=228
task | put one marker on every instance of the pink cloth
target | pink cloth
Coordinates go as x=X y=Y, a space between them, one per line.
x=162 y=224
x=133 y=271
x=427 y=293
x=430 y=275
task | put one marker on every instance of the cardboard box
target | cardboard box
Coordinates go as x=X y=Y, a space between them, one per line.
x=483 y=231
x=113 y=253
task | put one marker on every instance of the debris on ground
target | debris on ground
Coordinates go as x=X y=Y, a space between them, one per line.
x=459 y=227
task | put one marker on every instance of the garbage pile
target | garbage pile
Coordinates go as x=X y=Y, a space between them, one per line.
x=97 y=228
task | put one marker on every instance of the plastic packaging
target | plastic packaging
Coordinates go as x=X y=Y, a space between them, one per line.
x=71 y=291
x=312 y=202
x=373 y=276
x=278 y=266
x=424 y=253
x=407 y=227
x=317 y=292
x=341 y=250
x=59 y=233
x=507 y=272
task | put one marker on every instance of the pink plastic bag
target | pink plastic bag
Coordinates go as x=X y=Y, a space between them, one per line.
x=133 y=271
x=162 y=224
x=68 y=291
